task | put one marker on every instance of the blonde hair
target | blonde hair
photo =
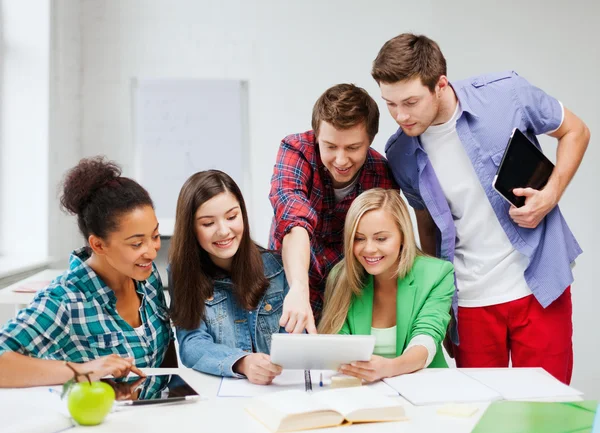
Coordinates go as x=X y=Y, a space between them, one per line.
x=348 y=277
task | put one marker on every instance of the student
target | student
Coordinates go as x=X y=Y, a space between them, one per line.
x=317 y=176
x=386 y=287
x=513 y=265
x=106 y=315
x=227 y=293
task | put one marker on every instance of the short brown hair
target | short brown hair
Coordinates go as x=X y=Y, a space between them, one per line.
x=345 y=106
x=408 y=56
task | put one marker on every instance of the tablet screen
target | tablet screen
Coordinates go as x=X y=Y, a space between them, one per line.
x=523 y=165
x=159 y=387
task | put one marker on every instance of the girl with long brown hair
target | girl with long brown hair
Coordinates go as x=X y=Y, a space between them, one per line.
x=227 y=293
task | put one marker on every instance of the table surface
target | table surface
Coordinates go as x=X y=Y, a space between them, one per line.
x=227 y=414
x=21 y=300
x=8 y=296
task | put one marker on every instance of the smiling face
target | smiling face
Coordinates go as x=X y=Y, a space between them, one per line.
x=219 y=228
x=343 y=151
x=132 y=248
x=412 y=105
x=377 y=243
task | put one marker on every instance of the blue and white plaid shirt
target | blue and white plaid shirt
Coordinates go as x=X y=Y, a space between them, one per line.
x=75 y=319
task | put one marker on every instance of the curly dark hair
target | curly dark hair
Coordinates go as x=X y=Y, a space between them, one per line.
x=95 y=191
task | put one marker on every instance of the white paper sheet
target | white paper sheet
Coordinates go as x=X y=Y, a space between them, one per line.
x=443 y=385
x=522 y=383
x=33 y=410
x=288 y=380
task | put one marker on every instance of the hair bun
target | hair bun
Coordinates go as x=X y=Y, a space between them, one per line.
x=80 y=182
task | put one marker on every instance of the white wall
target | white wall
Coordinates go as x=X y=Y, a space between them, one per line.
x=66 y=115
x=291 y=51
x=24 y=109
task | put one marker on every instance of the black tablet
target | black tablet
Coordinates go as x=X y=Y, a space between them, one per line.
x=523 y=165
x=135 y=390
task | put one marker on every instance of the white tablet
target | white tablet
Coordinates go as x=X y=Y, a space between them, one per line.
x=320 y=352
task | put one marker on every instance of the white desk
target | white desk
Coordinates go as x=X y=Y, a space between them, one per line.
x=21 y=300
x=228 y=415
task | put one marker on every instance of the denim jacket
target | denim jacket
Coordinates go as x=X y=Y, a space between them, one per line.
x=228 y=332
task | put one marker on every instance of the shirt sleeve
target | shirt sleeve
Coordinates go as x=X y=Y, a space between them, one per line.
x=198 y=350
x=434 y=316
x=541 y=112
x=289 y=195
x=40 y=330
x=413 y=197
x=428 y=343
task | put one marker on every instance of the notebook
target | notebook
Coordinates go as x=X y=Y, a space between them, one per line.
x=470 y=385
x=441 y=385
x=523 y=165
x=527 y=417
x=297 y=410
x=522 y=383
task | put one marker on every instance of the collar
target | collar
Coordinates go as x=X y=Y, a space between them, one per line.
x=411 y=144
x=462 y=98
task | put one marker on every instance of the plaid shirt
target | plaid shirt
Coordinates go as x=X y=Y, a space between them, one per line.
x=302 y=195
x=75 y=319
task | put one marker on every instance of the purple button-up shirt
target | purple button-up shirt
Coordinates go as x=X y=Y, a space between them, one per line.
x=490 y=107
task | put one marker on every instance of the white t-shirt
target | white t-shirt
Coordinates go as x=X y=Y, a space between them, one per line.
x=340 y=193
x=488 y=269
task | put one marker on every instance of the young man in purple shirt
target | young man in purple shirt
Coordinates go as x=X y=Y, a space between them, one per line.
x=512 y=265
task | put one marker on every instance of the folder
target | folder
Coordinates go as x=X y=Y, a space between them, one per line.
x=528 y=417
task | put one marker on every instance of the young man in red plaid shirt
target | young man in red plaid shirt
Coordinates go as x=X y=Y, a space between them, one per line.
x=317 y=176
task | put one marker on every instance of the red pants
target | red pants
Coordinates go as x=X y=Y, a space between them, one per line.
x=531 y=335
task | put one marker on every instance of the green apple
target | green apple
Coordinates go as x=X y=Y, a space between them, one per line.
x=89 y=403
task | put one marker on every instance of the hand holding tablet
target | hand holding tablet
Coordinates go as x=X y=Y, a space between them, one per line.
x=523 y=166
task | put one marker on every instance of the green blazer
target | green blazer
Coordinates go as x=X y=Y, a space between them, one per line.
x=423 y=305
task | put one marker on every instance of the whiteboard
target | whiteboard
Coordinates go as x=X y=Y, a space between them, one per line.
x=182 y=126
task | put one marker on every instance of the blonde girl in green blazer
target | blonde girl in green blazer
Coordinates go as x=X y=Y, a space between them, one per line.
x=387 y=287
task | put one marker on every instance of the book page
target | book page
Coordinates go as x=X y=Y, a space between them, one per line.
x=292 y=410
x=291 y=402
x=522 y=383
x=34 y=410
x=441 y=385
x=349 y=400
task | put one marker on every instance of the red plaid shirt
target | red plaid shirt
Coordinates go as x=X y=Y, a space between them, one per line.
x=302 y=195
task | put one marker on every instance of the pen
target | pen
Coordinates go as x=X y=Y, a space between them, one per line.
x=321 y=380
x=307 y=381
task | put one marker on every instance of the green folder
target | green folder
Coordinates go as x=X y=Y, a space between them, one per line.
x=534 y=417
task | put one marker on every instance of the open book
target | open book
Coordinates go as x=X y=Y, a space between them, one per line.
x=297 y=410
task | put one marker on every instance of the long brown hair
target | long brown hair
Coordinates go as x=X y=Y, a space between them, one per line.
x=347 y=278
x=192 y=270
